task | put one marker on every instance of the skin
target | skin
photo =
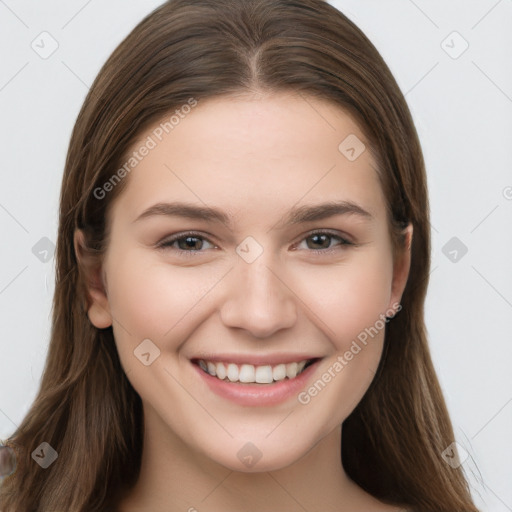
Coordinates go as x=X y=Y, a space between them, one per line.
x=255 y=157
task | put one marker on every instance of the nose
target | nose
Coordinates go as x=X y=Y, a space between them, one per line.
x=258 y=299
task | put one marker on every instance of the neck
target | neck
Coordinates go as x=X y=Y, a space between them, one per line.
x=174 y=477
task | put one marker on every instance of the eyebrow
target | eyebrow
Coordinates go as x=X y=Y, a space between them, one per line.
x=306 y=213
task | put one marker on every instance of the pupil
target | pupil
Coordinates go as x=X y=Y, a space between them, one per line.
x=317 y=237
x=191 y=242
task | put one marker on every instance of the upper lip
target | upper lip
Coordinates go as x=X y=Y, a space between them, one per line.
x=255 y=360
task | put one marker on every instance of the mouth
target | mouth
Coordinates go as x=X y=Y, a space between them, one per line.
x=268 y=382
x=245 y=373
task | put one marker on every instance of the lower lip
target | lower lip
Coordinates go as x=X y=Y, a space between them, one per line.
x=258 y=394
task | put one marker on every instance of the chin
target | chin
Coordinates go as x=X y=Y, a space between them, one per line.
x=257 y=457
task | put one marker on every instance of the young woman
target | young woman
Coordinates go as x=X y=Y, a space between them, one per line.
x=242 y=263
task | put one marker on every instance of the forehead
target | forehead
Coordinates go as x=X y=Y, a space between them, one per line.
x=252 y=156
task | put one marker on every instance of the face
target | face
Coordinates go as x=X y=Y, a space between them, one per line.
x=277 y=260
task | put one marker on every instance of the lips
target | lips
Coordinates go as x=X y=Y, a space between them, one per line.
x=256 y=394
x=251 y=373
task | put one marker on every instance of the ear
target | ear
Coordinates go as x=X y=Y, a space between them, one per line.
x=98 y=308
x=401 y=267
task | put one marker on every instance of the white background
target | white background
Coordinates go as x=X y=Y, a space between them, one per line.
x=463 y=112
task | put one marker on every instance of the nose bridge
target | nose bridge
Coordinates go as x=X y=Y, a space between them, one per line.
x=258 y=299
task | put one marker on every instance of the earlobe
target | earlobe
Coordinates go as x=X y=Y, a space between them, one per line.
x=401 y=267
x=97 y=307
x=99 y=315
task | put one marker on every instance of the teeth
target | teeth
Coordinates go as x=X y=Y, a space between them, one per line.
x=279 y=372
x=221 y=371
x=300 y=366
x=291 y=370
x=248 y=373
x=212 y=370
x=233 y=372
x=264 y=374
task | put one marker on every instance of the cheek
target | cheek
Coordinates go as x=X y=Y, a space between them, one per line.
x=152 y=299
x=165 y=304
x=348 y=298
x=350 y=303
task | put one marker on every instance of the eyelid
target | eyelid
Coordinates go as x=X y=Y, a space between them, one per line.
x=347 y=239
x=343 y=238
x=166 y=243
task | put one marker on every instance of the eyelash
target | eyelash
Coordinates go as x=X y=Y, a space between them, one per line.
x=166 y=244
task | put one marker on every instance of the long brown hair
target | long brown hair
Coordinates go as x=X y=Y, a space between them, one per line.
x=86 y=408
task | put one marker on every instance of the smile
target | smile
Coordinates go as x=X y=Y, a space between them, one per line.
x=251 y=374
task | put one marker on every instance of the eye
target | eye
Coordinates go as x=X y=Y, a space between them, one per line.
x=186 y=243
x=321 y=241
x=190 y=243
